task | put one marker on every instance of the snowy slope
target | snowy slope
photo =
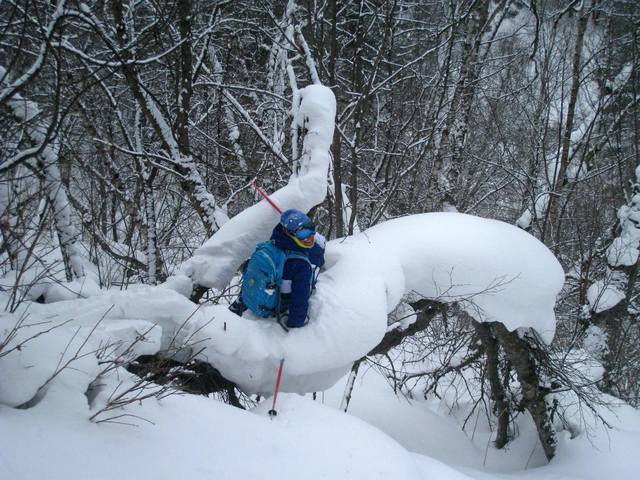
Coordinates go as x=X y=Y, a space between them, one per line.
x=432 y=429
x=194 y=437
x=197 y=438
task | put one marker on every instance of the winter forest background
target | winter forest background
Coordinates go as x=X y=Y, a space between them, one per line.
x=132 y=131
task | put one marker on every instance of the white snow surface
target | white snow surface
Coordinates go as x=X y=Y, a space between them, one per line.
x=432 y=430
x=195 y=437
x=382 y=437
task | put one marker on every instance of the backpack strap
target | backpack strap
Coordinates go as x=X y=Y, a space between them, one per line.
x=293 y=254
x=315 y=271
x=301 y=256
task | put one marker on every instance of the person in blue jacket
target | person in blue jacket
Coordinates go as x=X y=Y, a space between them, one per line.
x=297 y=233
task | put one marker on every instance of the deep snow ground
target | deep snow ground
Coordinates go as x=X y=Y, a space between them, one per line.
x=432 y=430
x=195 y=437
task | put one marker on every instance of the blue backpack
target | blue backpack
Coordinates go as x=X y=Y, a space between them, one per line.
x=263 y=277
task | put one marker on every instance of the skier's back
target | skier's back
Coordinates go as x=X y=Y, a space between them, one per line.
x=296 y=236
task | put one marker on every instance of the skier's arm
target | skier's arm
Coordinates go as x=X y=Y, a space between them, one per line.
x=300 y=290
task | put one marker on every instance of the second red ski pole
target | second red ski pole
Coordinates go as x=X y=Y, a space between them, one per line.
x=273 y=412
x=266 y=197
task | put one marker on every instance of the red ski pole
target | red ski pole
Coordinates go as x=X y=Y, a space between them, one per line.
x=266 y=197
x=272 y=412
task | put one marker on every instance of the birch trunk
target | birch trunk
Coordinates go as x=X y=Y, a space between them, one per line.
x=24 y=111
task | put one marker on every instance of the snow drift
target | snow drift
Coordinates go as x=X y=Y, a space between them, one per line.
x=496 y=271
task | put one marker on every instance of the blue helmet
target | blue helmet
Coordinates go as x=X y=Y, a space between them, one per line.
x=297 y=223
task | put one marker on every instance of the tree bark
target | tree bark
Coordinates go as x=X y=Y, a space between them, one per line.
x=426 y=311
x=182 y=162
x=501 y=406
x=337 y=142
x=520 y=354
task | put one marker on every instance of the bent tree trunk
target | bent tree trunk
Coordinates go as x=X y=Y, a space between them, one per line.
x=521 y=356
x=500 y=405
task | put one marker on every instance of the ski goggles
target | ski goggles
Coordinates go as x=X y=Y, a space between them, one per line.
x=306 y=243
x=304 y=231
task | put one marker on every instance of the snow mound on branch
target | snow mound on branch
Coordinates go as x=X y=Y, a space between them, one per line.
x=348 y=317
x=51 y=349
x=29 y=369
x=496 y=271
x=603 y=296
